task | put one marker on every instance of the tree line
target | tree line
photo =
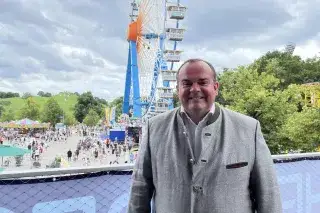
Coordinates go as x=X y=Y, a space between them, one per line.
x=25 y=95
x=9 y=94
x=88 y=109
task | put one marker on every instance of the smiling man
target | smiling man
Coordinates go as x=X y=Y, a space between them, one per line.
x=201 y=157
x=197 y=87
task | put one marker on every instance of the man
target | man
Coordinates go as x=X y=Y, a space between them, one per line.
x=202 y=158
x=69 y=154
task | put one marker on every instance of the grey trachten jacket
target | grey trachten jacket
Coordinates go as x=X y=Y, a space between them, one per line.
x=234 y=174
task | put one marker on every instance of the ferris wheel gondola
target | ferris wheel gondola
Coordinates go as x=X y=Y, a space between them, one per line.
x=154 y=27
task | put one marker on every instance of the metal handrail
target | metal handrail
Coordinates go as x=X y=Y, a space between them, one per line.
x=63 y=171
x=32 y=173
x=296 y=155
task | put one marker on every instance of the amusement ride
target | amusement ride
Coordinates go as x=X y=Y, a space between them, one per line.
x=153 y=36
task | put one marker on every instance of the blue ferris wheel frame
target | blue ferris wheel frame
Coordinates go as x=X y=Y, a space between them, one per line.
x=132 y=78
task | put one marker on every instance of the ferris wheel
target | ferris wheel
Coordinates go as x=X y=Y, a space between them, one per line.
x=153 y=34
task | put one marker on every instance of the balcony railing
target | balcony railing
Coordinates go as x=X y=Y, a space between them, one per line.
x=106 y=188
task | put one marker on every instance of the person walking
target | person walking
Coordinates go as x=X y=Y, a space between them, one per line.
x=69 y=154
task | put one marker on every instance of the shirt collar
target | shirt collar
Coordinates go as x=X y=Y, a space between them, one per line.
x=212 y=110
x=208 y=117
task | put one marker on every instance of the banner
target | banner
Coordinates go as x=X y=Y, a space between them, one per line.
x=107 y=111
x=113 y=115
x=107 y=193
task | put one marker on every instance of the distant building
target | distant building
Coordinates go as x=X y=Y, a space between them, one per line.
x=290 y=47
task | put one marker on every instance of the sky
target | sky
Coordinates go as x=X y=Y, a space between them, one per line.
x=81 y=45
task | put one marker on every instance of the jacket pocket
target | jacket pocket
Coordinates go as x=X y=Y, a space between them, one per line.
x=236 y=172
x=236 y=165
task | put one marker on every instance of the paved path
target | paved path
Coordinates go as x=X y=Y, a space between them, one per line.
x=60 y=149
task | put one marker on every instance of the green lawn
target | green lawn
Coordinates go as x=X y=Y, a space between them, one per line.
x=66 y=102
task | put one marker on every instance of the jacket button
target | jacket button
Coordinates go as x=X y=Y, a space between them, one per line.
x=197 y=189
x=192 y=161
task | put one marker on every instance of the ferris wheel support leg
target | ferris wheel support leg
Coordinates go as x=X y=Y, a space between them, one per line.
x=127 y=89
x=135 y=80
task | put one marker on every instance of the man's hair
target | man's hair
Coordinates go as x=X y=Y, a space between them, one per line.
x=194 y=60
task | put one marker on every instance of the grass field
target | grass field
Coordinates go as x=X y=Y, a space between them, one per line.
x=65 y=100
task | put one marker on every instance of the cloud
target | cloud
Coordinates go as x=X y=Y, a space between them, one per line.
x=252 y=24
x=237 y=32
x=81 y=45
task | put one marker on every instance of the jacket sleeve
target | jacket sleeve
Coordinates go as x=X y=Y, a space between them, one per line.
x=263 y=181
x=142 y=181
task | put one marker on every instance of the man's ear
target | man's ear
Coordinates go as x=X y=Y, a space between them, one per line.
x=216 y=87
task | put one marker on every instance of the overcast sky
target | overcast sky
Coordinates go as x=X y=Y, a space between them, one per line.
x=80 y=45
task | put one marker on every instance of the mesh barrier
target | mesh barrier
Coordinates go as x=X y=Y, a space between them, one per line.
x=106 y=189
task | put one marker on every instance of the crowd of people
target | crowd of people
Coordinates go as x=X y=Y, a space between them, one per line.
x=79 y=145
x=36 y=141
x=91 y=149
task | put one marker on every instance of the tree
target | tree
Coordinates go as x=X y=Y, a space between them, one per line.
x=85 y=102
x=301 y=130
x=47 y=94
x=92 y=118
x=8 y=115
x=311 y=72
x=26 y=95
x=257 y=95
x=30 y=110
x=41 y=93
x=44 y=94
x=52 y=112
x=220 y=99
x=102 y=101
x=69 y=120
x=291 y=69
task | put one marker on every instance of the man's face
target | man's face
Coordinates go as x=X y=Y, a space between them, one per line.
x=197 y=88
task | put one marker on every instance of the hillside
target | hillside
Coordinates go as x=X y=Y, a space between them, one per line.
x=65 y=100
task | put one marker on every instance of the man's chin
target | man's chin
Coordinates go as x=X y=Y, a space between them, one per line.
x=197 y=109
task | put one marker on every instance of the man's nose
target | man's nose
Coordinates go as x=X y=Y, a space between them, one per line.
x=195 y=87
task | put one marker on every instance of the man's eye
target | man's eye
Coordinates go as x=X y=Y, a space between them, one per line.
x=203 y=83
x=186 y=83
